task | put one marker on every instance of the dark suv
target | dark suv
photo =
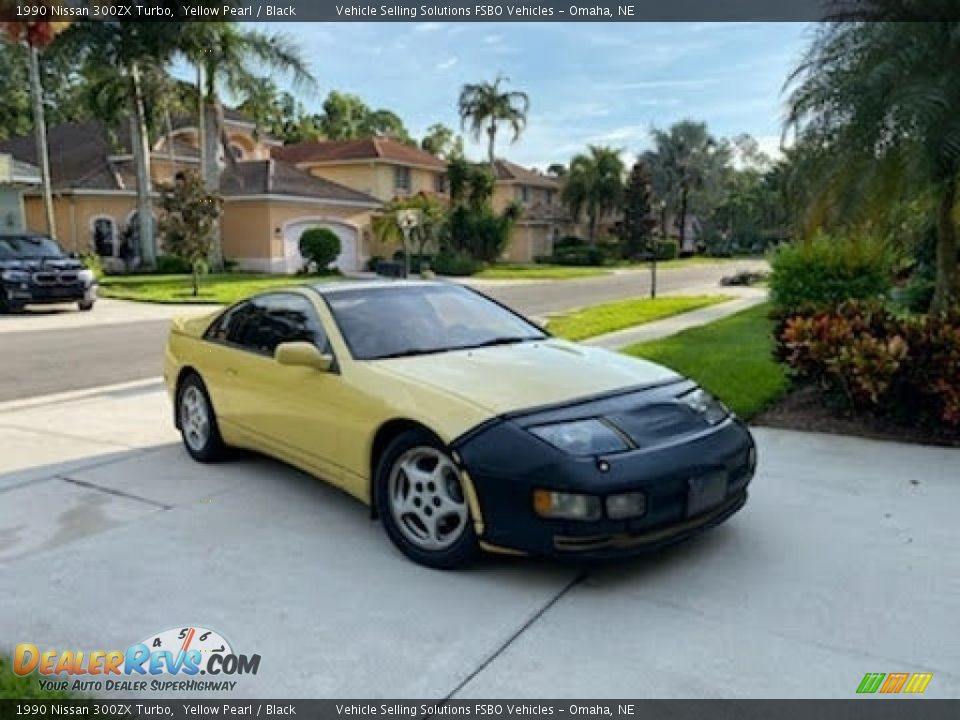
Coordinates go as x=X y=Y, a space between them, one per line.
x=34 y=269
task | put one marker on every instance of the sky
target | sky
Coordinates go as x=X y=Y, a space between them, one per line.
x=589 y=83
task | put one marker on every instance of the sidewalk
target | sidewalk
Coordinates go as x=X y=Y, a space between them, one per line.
x=744 y=298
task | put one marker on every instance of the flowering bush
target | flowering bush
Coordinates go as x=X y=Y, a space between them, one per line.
x=872 y=360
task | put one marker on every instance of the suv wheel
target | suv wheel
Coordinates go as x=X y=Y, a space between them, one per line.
x=85 y=305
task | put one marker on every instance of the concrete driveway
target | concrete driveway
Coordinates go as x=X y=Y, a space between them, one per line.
x=843 y=562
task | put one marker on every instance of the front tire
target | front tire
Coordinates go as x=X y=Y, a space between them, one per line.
x=419 y=498
x=8 y=307
x=85 y=305
x=198 y=422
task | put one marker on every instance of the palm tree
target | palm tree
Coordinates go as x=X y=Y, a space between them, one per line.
x=131 y=52
x=485 y=105
x=594 y=184
x=37 y=35
x=231 y=58
x=686 y=158
x=879 y=93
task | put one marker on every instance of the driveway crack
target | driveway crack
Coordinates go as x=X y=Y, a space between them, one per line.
x=112 y=491
x=579 y=578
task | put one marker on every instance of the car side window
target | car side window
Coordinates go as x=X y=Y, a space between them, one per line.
x=260 y=324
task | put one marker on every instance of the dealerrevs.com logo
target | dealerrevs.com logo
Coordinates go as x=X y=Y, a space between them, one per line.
x=182 y=653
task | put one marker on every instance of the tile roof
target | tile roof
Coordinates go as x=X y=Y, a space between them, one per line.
x=80 y=159
x=511 y=172
x=369 y=148
x=278 y=177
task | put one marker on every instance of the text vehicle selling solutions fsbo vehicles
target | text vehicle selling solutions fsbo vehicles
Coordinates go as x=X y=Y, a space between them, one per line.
x=461 y=423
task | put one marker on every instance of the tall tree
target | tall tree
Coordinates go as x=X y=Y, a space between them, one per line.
x=687 y=159
x=231 y=58
x=35 y=36
x=442 y=141
x=484 y=106
x=636 y=229
x=879 y=93
x=347 y=117
x=126 y=50
x=594 y=185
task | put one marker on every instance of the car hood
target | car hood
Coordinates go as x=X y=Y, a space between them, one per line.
x=510 y=378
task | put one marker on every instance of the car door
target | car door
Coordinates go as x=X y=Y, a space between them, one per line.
x=293 y=410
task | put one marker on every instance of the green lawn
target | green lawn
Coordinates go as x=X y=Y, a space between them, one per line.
x=226 y=288
x=731 y=358
x=692 y=261
x=27 y=687
x=538 y=272
x=600 y=319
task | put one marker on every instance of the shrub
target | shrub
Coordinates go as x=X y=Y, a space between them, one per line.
x=871 y=360
x=579 y=256
x=417 y=262
x=93 y=262
x=173 y=265
x=320 y=246
x=668 y=250
x=373 y=261
x=569 y=241
x=827 y=271
x=459 y=264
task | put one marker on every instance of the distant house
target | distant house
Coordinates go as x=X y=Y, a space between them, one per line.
x=16 y=176
x=267 y=201
x=543 y=219
x=379 y=166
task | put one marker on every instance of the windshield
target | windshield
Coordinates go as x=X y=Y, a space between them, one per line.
x=29 y=247
x=409 y=320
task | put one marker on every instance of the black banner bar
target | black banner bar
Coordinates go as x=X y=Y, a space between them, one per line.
x=424 y=11
x=858 y=709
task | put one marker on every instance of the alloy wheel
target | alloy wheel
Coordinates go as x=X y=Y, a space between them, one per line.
x=194 y=418
x=426 y=498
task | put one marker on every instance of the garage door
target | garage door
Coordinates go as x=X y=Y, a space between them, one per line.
x=348 y=259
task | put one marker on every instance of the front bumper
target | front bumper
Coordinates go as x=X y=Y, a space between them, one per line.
x=506 y=464
x=27 y=293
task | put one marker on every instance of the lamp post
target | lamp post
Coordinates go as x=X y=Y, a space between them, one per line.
x=656 y=250
x=408 y=219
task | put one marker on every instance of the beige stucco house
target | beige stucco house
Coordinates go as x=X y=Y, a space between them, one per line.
x=267 y=201
x=543 y=220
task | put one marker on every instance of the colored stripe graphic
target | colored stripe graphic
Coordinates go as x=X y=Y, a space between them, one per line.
x=918 y=683
x=871 y=682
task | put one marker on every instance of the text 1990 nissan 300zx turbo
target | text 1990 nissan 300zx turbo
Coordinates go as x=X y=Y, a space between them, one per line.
x=461 y=423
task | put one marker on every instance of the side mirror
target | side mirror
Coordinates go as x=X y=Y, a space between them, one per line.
x=302 y=354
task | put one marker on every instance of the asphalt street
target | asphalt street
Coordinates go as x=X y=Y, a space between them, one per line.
x=842 y=563
x=47 y=351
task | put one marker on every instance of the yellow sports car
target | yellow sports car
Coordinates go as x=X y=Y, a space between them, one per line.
x=461 y=423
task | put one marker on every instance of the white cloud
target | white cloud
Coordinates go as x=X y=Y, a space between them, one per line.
x=427 y=27
x=446 y=64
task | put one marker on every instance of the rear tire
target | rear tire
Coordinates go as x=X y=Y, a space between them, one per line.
x=85 y=305
x=198 y=422
x=419 y=497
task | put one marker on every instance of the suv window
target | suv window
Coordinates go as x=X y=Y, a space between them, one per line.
x=263 y=323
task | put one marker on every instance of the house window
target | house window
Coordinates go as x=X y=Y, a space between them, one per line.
x=103 y=236
x=549 y=197
x=522 y=194
x=401 y=179
x=440 y=184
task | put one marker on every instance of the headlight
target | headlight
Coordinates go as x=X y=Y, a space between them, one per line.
x=706 y=405
x=15 y=276
x=85 y=276
x=581 y=437
x=566 y=506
